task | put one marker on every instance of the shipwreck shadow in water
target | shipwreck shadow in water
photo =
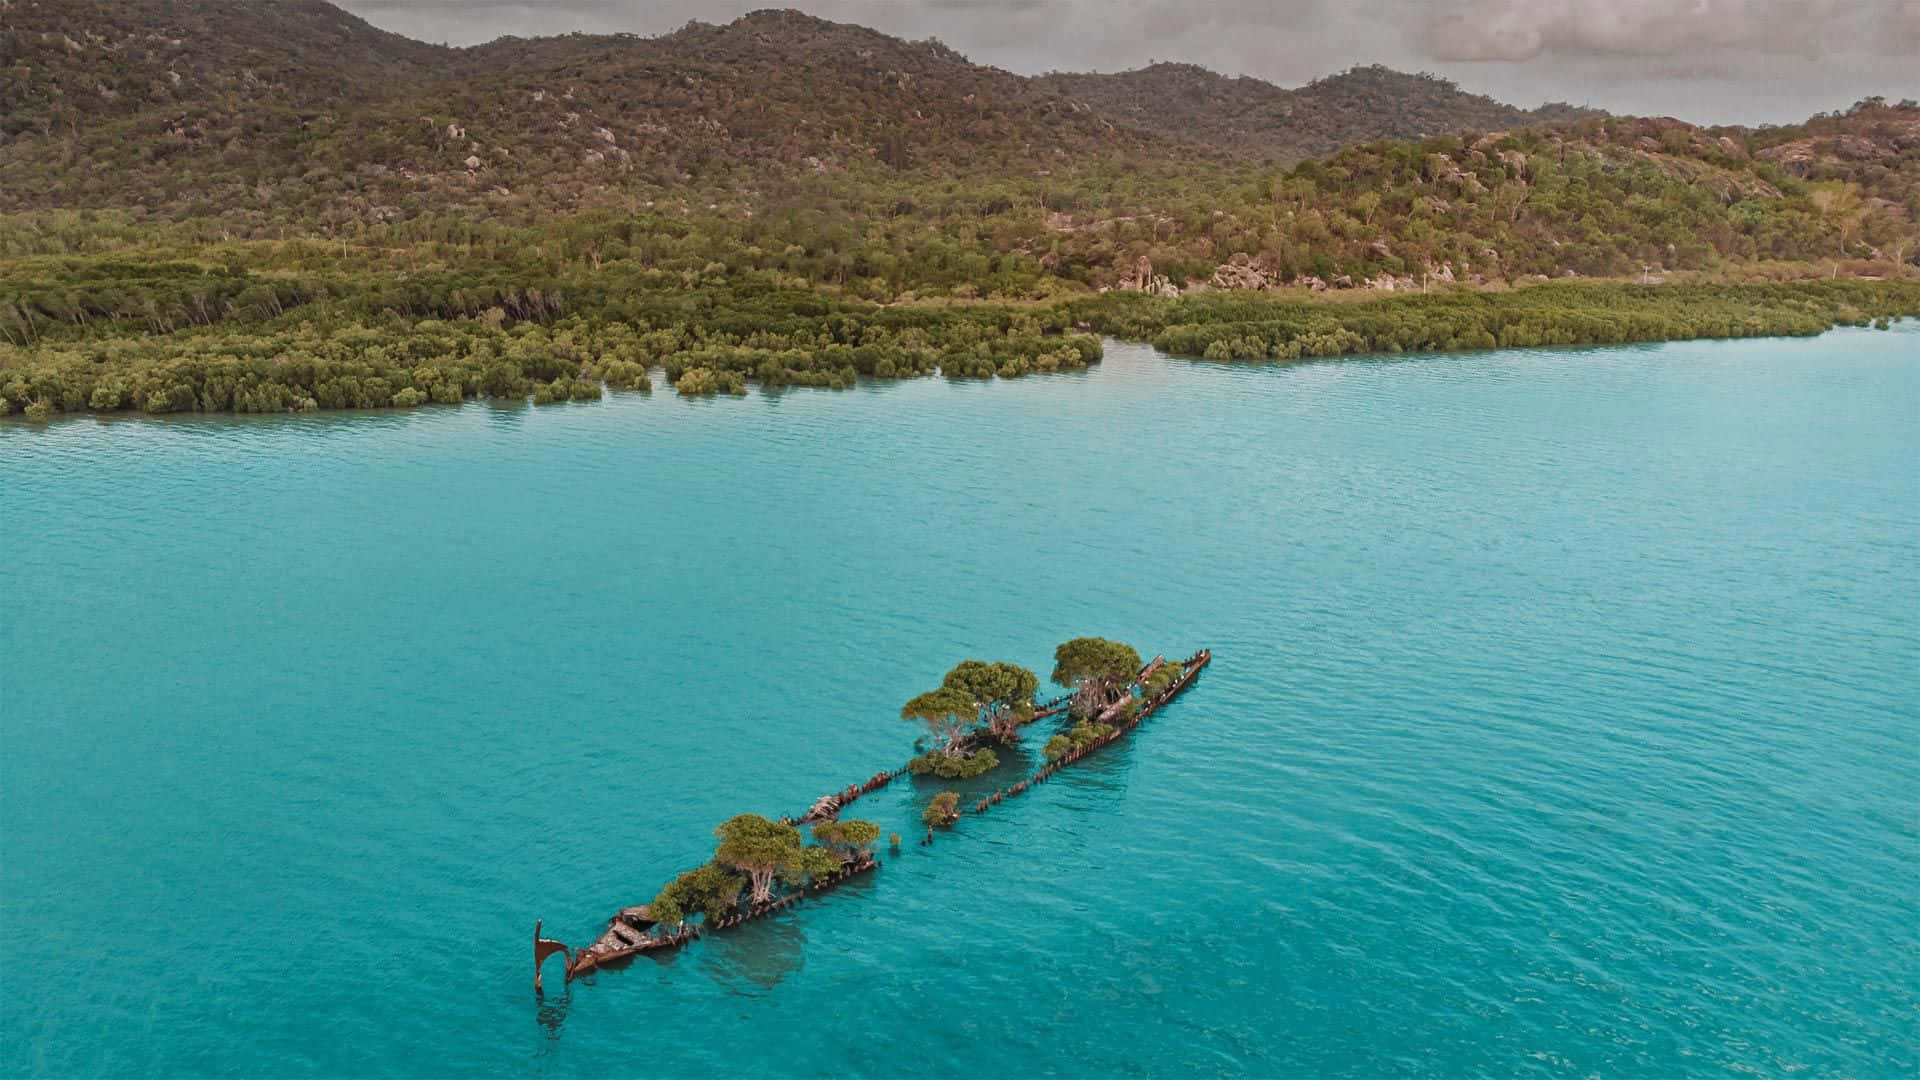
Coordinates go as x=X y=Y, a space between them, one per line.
x=550 y=1012
x=758 y=956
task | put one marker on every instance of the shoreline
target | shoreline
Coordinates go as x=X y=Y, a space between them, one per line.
x=224 y=368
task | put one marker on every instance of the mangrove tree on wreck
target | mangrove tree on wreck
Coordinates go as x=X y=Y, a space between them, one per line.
x=975 y=695
x=1098 y=672
x=1001 y=692
x=760 y=849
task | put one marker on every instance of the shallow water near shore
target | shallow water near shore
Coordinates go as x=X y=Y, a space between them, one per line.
x=1564 y=720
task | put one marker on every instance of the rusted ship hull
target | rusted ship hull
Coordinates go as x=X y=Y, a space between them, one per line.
x=632 y=930
x=624 y=940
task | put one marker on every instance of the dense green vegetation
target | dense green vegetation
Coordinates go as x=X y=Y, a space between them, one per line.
x=185 y=340
x=710 y=889
x=1098 y=671
x=1223 y=326
x=755 y=853
x=103 y=336
x=979 y=702
x=1108 y=690
x=841 y=156
x=957 y=766
x=850 y=839
x=1080 y=735
x=1001 y=694
x=233 y=207
x=975 y=702
x=941 y=811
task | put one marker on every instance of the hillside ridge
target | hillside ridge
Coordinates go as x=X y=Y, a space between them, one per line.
x=834 y=155
x=1248 y=116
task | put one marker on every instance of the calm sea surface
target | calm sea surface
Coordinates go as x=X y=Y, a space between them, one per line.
x=1565 y=720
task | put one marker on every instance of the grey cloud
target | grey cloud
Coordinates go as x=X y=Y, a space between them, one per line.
x=1901 y=32
x=1742 y=61
x=1514 y=30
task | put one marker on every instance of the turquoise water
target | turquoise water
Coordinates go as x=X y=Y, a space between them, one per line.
x=1563 y=721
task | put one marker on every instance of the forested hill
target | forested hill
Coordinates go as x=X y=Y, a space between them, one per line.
x=831 y=155
x=258 y=206
x=70 y=65
x=296 y=111
x=1254 y=118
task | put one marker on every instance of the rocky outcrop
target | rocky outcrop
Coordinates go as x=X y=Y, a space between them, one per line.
x=1143 y=279
x=1244 y=271
x=1391 y=283
x=1443 y=170
x=1889 y=141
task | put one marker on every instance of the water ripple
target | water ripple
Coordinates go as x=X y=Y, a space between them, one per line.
x=1565 y=721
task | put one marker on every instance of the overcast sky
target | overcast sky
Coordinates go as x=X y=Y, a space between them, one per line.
x=1711 y=61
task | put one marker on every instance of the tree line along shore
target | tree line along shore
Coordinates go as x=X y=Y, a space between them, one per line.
x=175 y=337
x=238 y=207
x=384 y=271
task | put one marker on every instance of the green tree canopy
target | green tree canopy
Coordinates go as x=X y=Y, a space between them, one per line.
x=710 y=889
x=947 y=714
x=1166 y=676
x=819 y=863
x=1096 y=670
x=942 y=810
x=955 y=766
x=1001 y=692
x=759 y=849
x=666 y=910
x=847 y=839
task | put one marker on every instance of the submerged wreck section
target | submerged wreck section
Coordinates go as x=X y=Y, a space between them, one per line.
x=762 y=867
x=626 y=935
x=828 y=807
x=1119 y=719
x=633 y=931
